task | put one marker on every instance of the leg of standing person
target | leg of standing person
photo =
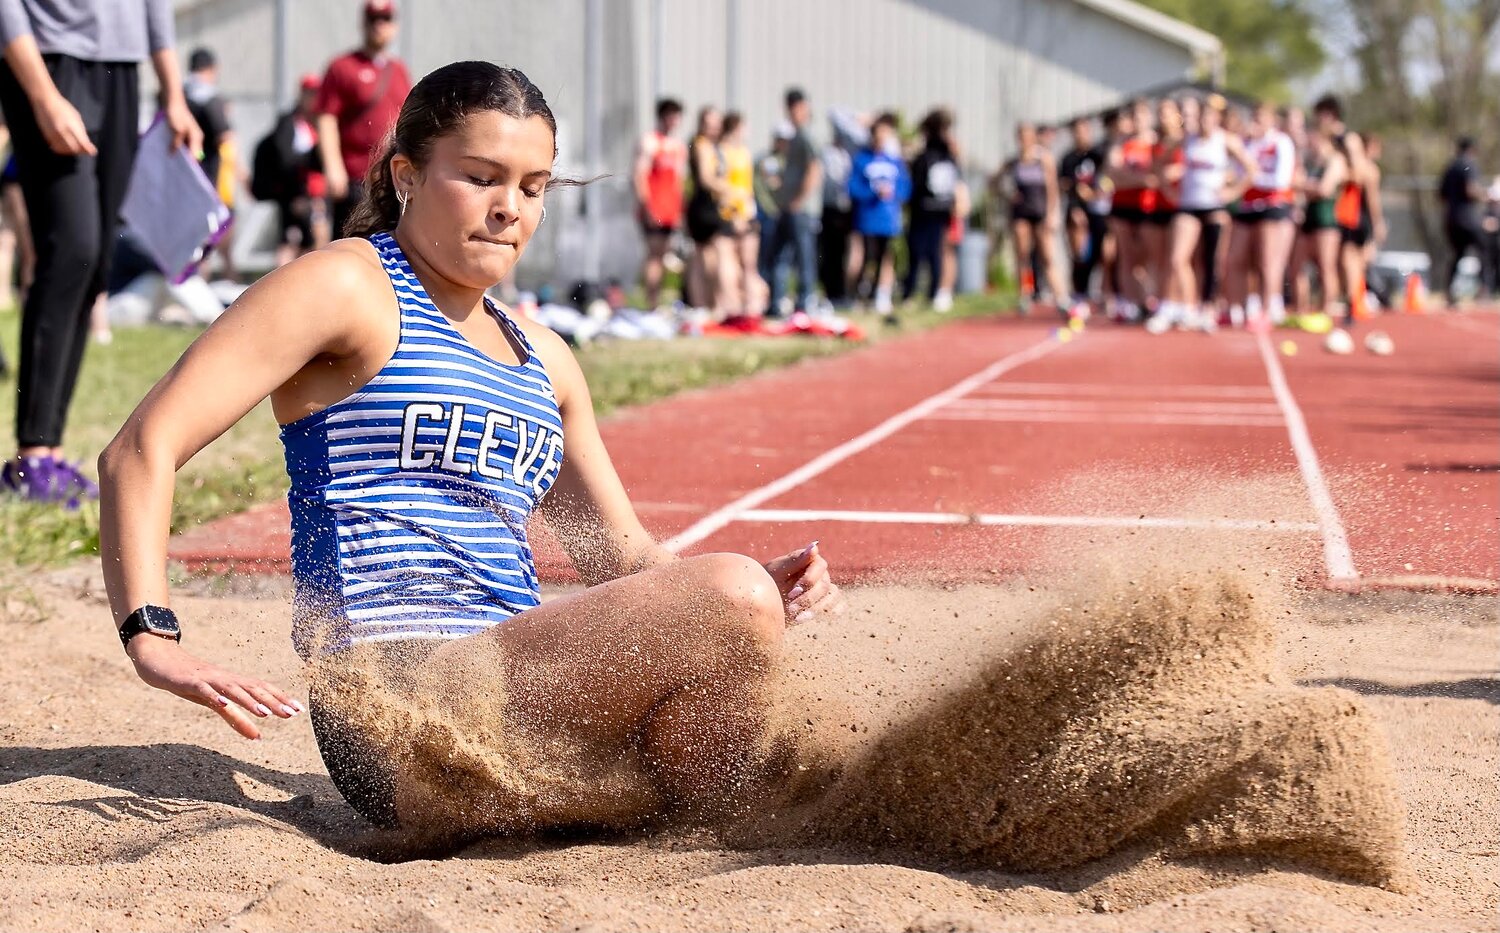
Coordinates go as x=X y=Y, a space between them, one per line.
x=805 y=247
x=1460 y=240
x=777 y=258
x=747 y=245
x=728 y=278
x=1182 y=245
x=1212 y=239
x=1021 y=236
x=833 y=254
x=73 y=202
x=1078 y=251
x=1274 y=238
x=653 y=267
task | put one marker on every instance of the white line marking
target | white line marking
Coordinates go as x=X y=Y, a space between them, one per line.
x=1042 y=521
x=1336 y=554
x=1077 y=417
x=1111 y=390
x=717 y=519
x=1141 y=405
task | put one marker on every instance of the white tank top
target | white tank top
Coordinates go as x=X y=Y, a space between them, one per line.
x=1205 y=161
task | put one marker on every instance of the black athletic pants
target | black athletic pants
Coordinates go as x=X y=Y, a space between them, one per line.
x=1463 y=235
x=833 y=253
x=875 y=249
x=924 y=247
x=1093 y=254
x=74 y=203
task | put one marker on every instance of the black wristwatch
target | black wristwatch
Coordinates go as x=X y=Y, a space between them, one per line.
x=154 y=619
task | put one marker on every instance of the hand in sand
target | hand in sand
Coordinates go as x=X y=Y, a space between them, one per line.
x=806 y=588
x=164 y=665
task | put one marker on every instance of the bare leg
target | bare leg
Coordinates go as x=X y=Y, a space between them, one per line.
x=665 y=662
x=652 y=267
x=1127 y=256
x=755 y=286
x=728 y=282
x=1046 y=244
x=1326 y=247
x=1304 y=250
x=1237 y=263
x=1021 y=235
x=1274 y=247
x=1153 y=260
x=1182 y=283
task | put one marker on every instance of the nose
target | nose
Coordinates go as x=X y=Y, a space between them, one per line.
x=507 y=205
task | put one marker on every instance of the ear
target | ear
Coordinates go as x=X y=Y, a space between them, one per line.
x=404 y=175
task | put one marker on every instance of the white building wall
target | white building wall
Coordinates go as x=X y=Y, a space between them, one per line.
x=993 y=61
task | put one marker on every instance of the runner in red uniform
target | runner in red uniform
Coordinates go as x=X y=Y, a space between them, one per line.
x=661 y=160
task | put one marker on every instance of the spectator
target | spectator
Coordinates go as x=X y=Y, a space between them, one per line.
x=1491 y=225
x=740 y=212
x=1462 y=194
x=358 y=103
x=879 y=187
x=288 y=173
x=207 y=107
x=935 y=182
x=768 y=170
x=705 y=216
x=17 y=254
x=798 y=198
x=70 y=92
x=218 y=160
x=660 y=162
x=836 y=228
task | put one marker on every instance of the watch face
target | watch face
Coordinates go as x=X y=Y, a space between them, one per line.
x=160 y=622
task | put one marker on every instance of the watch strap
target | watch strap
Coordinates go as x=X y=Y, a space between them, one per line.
x=158 y=620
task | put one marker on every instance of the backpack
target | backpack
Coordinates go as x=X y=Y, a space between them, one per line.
x=267 y=175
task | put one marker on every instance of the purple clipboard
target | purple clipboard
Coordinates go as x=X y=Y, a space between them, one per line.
x=170 y=205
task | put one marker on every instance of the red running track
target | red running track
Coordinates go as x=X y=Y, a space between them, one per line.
x=953 y=454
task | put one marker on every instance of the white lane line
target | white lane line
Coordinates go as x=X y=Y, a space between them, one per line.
x=1142 y=405
x=1336 y=554
x=1040 y=521
x=1078 y=417
x=1113 y=390
x=717 y=519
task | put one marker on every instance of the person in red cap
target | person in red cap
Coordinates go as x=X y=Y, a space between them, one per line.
x=361 y=95
x=288 y=171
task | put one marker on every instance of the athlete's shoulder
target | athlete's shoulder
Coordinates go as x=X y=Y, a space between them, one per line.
x=336 y=284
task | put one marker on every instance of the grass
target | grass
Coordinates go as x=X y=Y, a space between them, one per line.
x=245 y=465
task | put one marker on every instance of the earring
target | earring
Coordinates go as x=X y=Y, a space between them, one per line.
x=543 y=218
x=401 y=198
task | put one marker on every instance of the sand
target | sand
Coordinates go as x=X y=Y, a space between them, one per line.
x=1204 y=752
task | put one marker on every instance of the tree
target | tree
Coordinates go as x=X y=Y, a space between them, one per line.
x=1267 y=43
x=1425 y=77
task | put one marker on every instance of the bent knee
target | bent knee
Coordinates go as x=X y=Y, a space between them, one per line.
x=745 y=594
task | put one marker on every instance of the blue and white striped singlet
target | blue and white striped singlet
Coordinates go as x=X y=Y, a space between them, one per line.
x=410 y=498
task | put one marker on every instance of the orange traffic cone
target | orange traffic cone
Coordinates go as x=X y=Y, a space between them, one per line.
x=1359 y=304
x=1413 y=303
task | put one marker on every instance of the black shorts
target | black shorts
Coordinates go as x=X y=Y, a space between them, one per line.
x=359 y=770
x=1128 y=215
x=650 y=227
x=1161 y=217
x=1357 y=236
x=1027 y=213
x=1204 y=215
x=1278 y=212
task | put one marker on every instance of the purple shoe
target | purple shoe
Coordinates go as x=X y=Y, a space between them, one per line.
x=48 y=479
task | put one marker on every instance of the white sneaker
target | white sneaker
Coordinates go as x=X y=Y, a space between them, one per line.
x=942 y=302
x=883 y=301
x=1162 y=321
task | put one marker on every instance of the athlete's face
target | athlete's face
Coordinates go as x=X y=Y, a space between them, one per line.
x=1026 y=135
x=478 y=200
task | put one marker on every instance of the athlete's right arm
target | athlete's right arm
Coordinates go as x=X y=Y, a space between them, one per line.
x=302 y=312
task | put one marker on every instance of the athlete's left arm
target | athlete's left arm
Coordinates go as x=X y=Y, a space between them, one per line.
x=1377 y=206
x=1049 y=172
x=588 y=507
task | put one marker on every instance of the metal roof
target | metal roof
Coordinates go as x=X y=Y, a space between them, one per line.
x=1158 y=24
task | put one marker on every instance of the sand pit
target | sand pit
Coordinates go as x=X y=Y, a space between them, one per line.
x=1166 y=750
